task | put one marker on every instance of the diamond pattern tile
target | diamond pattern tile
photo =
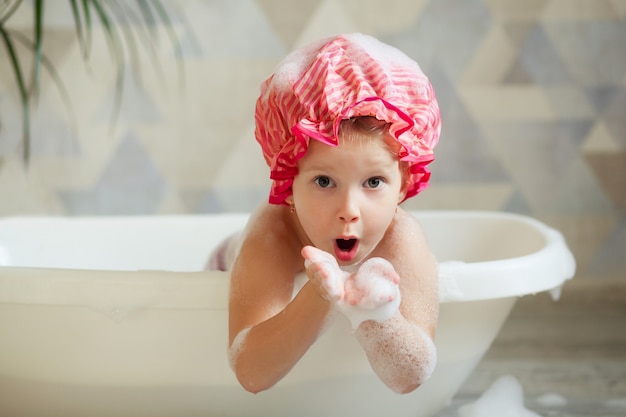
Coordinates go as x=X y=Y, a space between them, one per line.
x=532 y=94
x=130 y=184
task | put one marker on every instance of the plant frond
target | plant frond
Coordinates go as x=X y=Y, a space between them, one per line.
x=123 y=15
x=37 y=46
x=88 y=27
x=54 y=75
x=144 y=28
x=80 y=31
x=7 y=12
x=108 y=28
x=148 y=16
x=164 y=16
x=117 y=51
x=129 y=30
x=21 y=85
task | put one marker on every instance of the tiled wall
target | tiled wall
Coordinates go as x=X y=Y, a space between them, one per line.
x=532 y=94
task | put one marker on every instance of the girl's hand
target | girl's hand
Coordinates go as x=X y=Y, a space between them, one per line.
x=372 y=293
x=324 y=273
x=374 y=284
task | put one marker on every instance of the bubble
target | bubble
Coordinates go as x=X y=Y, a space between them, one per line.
x=237 y=346
x=375 y=292
x=504 y=398
x=400 y=352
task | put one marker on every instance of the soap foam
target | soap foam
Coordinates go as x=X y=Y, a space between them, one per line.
x=294 y=64
x=237 y=346
x=414 y=345
x=449 y=289
x=505 y=397
x=372 y=293
x=552 y=400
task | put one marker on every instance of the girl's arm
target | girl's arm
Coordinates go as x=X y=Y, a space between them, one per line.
x=269 y=332
x=401 y=350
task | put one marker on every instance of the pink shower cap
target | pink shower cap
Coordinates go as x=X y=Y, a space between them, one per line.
x=316 y=87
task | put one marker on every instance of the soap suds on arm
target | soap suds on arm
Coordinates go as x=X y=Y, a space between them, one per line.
x=402 y=354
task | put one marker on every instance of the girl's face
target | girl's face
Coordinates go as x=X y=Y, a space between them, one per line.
x=346 y=196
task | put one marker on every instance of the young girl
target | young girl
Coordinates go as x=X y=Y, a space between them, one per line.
x=347 y=127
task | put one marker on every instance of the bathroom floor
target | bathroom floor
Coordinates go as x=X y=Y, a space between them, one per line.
x=574 y=348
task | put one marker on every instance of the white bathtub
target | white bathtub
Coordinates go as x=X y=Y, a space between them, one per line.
x=109 y=316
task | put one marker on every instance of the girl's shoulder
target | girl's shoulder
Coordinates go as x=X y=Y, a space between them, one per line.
x=270 y=220
x=405 y=222
x=404 y=237
x=270 y=231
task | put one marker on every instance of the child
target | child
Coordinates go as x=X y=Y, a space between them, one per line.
x=347 y=127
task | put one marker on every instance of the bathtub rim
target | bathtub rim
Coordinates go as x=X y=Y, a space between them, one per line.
x=544 y=270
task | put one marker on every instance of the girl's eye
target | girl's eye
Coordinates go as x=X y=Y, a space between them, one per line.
x=323 y=181
x=374 y=182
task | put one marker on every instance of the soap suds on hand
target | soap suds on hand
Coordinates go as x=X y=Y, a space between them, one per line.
x=371 y=293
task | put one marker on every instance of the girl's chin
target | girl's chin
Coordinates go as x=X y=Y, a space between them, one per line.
x=352 y=265
x=351 y=269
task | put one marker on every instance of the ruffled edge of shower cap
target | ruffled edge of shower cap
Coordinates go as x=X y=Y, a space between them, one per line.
x=316 y=87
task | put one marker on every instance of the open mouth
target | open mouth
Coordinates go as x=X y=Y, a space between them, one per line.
x=346 y=249
x=346 y=245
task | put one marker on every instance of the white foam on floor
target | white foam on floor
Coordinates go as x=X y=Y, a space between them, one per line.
x=552 y=400
x=504 y=398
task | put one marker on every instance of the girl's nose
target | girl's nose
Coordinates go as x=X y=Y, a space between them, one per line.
x=349 y=210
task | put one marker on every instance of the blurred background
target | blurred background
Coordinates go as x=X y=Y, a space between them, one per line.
x=532 y=96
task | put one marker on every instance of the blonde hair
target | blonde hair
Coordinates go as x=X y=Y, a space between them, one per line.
x=371 y=128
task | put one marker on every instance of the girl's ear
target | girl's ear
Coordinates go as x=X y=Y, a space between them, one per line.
x=289 y=200
x=403 y=190
x=404 y=169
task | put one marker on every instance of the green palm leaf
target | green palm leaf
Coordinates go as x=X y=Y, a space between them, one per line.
x=124 y=41
x=21 y=86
